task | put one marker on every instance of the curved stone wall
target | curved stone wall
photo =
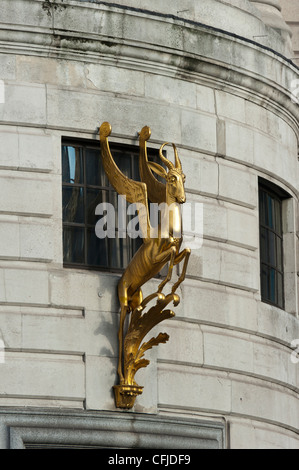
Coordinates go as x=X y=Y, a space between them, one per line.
x=225 y=100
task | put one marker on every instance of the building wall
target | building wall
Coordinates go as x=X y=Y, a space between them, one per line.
x=226 y=102
x=290 y=14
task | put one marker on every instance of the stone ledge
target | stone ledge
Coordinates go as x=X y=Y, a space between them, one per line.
x=21 y=429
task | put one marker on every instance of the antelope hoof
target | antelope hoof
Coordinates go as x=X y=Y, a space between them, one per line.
x=160 y=298
x=176 y=299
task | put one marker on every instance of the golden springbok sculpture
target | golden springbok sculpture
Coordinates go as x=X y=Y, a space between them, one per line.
x=160 y=246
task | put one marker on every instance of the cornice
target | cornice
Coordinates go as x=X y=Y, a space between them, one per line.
x=159 y=44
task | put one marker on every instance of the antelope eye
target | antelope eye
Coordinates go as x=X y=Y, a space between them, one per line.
x=173 y=179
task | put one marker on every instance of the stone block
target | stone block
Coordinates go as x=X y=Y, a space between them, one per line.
x=9 y=238
x=230 y=266
x=36 y=240
x=244 y=189
x=115 y=79
x=215 y=210
x=199 y=131
x=18 y=13
x=255 y=399
x=218 y=305
x=86 y=111
x=9 y=150
x=54 y=332
x=35 y=151
x=24 y=104
x=11 y=329
x=229 y=106
x=7 y=67
x=205 y=99
x=205 y=263
x=291 y=292
x=239 y=142
x=171 y=90
x=26 y=286
x=89 y=290
x=185 y=342
x=201 y=173
x=100 y=333
x=256 y=117
x=2 y=286
x=167 y=34
x=242 y=227
x=240 y=268
x=227 y=350
x=34 y=69
x=205 y=389
x=260 y=435
x=35 y=375
x=272 y=361
x=276 y=323
x=66 y=108
x=32 y=197
x=100 y=378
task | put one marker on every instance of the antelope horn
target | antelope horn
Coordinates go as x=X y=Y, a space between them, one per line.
x=178 y=164
x=164 y=160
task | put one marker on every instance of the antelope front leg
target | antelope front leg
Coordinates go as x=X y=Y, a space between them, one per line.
x=168 y=255
x=185 y=254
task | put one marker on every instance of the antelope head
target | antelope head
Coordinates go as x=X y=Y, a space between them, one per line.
x=174 y=177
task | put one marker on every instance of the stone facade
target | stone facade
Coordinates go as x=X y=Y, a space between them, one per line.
x=289 y=12
x=222 y=92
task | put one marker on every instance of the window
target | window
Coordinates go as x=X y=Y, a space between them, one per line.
x=84 y=186
x=271 y=243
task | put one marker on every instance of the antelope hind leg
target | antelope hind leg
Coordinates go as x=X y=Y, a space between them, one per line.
x=168 y=255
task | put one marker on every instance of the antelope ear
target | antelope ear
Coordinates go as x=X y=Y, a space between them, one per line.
x=158 y=169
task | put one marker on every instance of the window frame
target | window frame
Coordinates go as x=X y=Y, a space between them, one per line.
x=279 y=195
x=95 y=145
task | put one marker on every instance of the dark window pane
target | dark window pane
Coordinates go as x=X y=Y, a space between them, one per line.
x=271 y=212
x=263 y=208
x=97 y=250
x=123 y=161
x=72 y=164
x=136 y=174
x=272 y=248
x=95 y=174
x=119 y=252
x=73 y=245
x=264 y=245
x=279 y=290
x=272 y=285
x=93 y=198
x=264 y=282
x=73 y=204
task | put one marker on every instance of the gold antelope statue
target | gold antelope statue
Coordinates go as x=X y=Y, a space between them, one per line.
x=160 y=246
